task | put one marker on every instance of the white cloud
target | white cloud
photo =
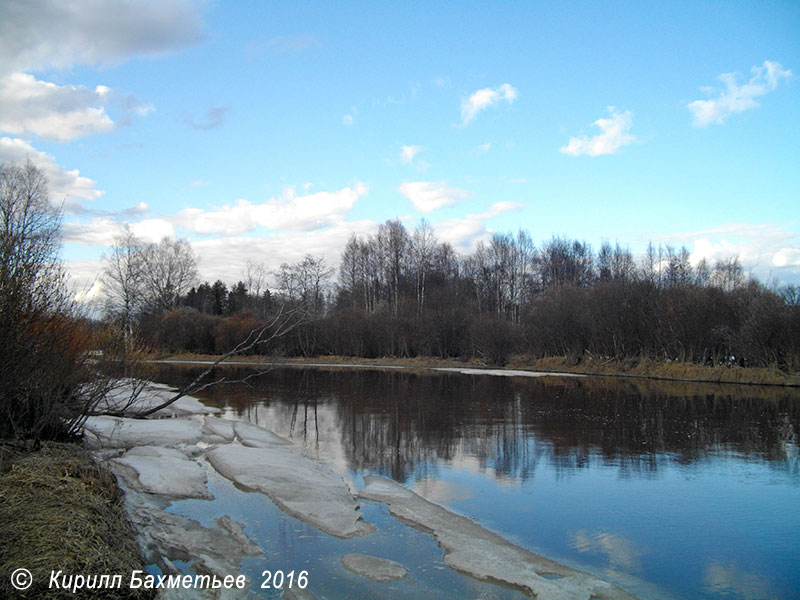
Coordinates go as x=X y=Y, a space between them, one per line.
x=90 y=293
x=153 y=230
x=64 y=185
x=786 y=257
x=42 y=34
x=464 y=232
x=737 y=98
x=140 y=209
x=100 y=231
x=712 y=251
x=290 y=212
x=483 y=99
x=39 y=34
x=483 y=148
x=763 y=231
x=407 y=153
x=766 y=250
x=84 y=279
x=614 y=135
x=224 y=258
x=427 y=196
x=347 y=120
x=59 y=113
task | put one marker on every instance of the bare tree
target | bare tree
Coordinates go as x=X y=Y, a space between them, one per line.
x=446 y=262
x=525 y=258
x=350 y=271
x=255 y=280
x=255 y=277
x=728 y=274
x=306 y=281
x=702 y=275
x=169 y=270
x=393 y=240
x=423 y=246
x=678 y=269
x=650 y=265
x=622 y=264
x=123 y=278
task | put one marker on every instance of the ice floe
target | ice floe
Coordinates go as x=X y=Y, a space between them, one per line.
x=257 y=437
x=505 y=372
x=119 y=432
x=472 y=549
x=149 y=395
x=297 y=485
x=217 y=431
x=374 y=568
x=165 y=471
x=218 y=550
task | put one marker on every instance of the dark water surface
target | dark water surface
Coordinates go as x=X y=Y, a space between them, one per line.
x=669 y=490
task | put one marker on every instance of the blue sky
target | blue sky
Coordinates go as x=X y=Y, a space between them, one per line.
x=267 y=130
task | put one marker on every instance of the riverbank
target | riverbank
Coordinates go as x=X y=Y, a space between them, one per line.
x=61 y=510
x=640 y=369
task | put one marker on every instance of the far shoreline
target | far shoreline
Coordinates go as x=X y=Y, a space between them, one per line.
x=673 y=371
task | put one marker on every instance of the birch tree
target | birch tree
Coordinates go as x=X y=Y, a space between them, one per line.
x=123 y=278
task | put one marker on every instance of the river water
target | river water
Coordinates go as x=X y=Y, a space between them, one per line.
x=668 y=490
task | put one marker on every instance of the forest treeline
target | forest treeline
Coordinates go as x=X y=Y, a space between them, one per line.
x=396 y=294
x=406 y=294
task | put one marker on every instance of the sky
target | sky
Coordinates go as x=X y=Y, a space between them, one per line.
x=270 y=130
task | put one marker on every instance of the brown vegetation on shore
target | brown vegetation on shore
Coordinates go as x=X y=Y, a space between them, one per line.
x=644 y=369
x=60 y=510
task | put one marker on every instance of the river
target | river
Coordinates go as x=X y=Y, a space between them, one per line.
x=668 y=490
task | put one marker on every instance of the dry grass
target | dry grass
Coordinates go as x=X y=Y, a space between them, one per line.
x=60 y=510
x=673 y=371
x=418 y=361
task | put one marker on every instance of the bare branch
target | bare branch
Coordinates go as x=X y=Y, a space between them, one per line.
x=282 y=323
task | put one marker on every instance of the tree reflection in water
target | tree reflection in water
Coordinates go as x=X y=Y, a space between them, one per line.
x=404 y=423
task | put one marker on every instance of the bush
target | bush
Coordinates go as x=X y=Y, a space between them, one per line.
x=47 y=365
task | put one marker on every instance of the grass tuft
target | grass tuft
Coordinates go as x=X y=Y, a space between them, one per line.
x=60 y=510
